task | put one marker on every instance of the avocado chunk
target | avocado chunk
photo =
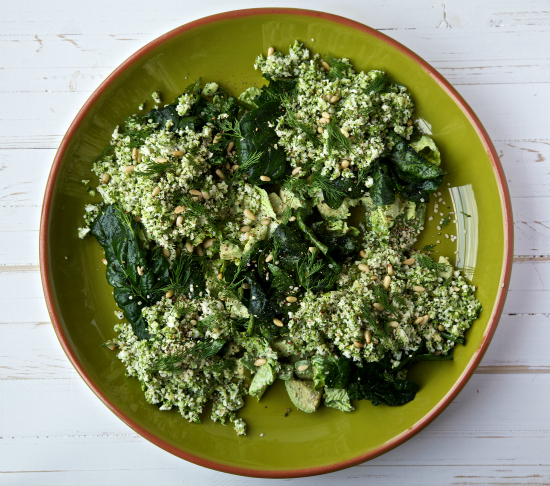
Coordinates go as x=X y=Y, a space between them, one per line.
x=304 y=369
x=264 y=377
x=303 y=395
x=286 y=372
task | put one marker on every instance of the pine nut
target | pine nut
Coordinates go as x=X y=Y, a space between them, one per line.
x=111 y=346
x=195 y=192
x=438 y=353
x=292 y=218
x=220 y=174
x=278 y=322
x=156 y=191
x=311 y=249
x=140 y=270
x=247 y=235
x=128 y=169
x=244 y=229
x=302 y=368
x=200 y=251
x=170 y=293
x=456 y=289
x=230 y=146
x=177 y=153
x=363 y=267
x=363 y=254
x=179 y=209
x=323 y=120
x=161 y=160
x=374 y=277
x=296 y=170
x=205 y=195
x=344 y=164
x=326 y=114
x=220 y=276
x=394 y=324
x=208 y=243
x=134 y=153
x=368 y=336
x=387 y=282
x=105 y=262
x=189 y=247
x=235 y=167
x=378 y=306
x=326 y=65
x=166 y=252
x=320 y=130
x=246 y=286
x=425 y=319
x=409 y=261
x=249 y=214
x=344 y=132
x=179 y=221
x=193 y=322
x=357 y=344
x=137 y=219
x=265 y=178
x=419 y=320
x=291 y=299
x=440 y=328
x=266 y=222
x=335 y=99
x=270 y=51
x=105 y=178
x=260 y=362
x=419 y=288
x=217 y=138
x=409 y=122
x=390 y=269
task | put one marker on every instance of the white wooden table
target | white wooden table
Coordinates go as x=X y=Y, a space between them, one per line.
x=53 y=54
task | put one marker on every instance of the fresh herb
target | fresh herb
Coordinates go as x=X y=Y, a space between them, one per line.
x=427 y=262
x=428 y=247
x=379 y=85
x=446 y=221
x=339 y=69
x=383 y=298
x=467 y=215
x=201 y=350
x=336 y=139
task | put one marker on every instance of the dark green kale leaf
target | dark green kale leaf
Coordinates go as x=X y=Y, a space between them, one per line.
x=340 y=374
x=258 y=135
x=340 y=247
x=263 y=309
x=276 y=90
x=292 y=247
x=336 y=190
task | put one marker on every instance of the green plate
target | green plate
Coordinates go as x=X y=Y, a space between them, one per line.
x=223 y=48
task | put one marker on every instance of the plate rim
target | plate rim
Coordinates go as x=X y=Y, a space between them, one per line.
x=493 y=319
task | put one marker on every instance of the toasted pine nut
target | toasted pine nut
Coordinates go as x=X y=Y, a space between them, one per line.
x=220 y=174
x=140 y=270
x=344 y=164
x=230 y=146
x=247 y=235
x=378 y=306
x=387 y=282
x=228 y=166
x=363 y=254
x=363 y=267
x=220 y=276
x=344 y=132
x=440 y=328
x=390 y=269
x=189 y=247
x=166 y=252
x=368 y=336
x=249 y=214
x=161 y=160
x=156 y=191
x=134 y=153
x=374 y=277
x=419 y=320
x=177 y=153
x=311 y=249
x=205 y=195
x=260 y=362
x=170 y=293
x=419 y=288
x=244 y=229
x=291 y=299
x=270 y=51
x=208 y=243
x=105 y=178
x=320 y=130
x=200 y=251
x=323 y=120
x=326 y=65
x=217 y=138
x=137 y=219
x=394 y=324
x=128 y=169
x=179 y=220
x=105 y=262
x=268 y=258
x=193 y=322
x=266 y=222
x=292 y=218
x=326 y=114
x=296 y=170
x=409 y=261
x=195 y=192
x=409 y=122
x=179 y=209
x=357 y=344
x=265 y=178
x=302 y=368
x=425 y=319
x=278 y=322
x=335 y=99
x=456 y=289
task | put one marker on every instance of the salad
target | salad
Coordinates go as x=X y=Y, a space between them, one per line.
x=270 y=236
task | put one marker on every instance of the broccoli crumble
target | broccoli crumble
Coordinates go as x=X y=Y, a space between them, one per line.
x=225 y=223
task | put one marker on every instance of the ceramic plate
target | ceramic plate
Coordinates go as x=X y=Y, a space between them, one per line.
x=223 y=48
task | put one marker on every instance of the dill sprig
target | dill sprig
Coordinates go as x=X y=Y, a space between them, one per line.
x=330 y=191
x=379 y=85
x=220 y=366
x=292 y=121
x=154 y=168
x=383 y=298
x=231 y=131
x=193 y=207
x=339 y=68
x=446 y=221
x=252 y=159
x=426 y=262
x=201 y=350
x=336 y=139
x=306 y=268
x=106 y=150
x=380 y=327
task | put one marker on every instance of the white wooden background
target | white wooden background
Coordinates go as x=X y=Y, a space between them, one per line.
x=53 y=54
